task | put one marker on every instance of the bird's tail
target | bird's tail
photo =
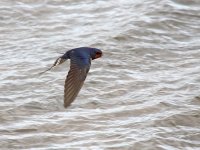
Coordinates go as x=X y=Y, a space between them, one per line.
x=56 y=63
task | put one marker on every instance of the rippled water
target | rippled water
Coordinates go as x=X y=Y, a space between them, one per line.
x=141 y=95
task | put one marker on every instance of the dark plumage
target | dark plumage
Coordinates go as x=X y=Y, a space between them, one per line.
x=80 y=61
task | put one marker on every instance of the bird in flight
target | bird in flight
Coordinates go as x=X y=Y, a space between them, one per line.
x=80 y=62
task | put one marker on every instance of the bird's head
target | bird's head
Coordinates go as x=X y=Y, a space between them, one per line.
x=96 y=53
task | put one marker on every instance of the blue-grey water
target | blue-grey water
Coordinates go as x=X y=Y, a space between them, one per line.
x=143 y=94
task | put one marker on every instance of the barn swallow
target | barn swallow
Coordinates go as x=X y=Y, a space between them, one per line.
x=80 y=62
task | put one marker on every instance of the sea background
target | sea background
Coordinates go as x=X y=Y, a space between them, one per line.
x=143 y=94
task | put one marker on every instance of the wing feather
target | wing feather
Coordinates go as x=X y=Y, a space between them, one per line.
x=74 y=80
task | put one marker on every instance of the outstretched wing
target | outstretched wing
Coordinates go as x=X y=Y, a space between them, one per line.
x=75 y=79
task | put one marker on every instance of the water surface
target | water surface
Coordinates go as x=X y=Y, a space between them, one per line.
x=141 y=95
